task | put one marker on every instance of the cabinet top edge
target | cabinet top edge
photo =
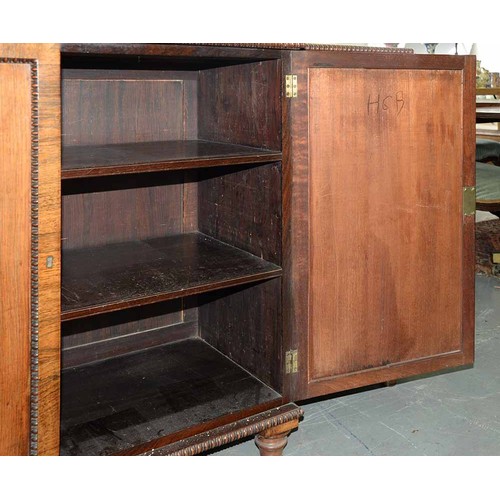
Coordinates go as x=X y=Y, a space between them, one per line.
x=167 y=50
x=311 y=46
x=252 y=50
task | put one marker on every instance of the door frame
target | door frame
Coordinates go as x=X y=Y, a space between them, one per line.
x=296 y=222
x=40 y=407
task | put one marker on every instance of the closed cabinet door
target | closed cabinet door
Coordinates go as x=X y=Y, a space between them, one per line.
x=29 y=248
x=382 y=244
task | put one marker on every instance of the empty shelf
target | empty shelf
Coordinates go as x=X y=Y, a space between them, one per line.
x=124 y=275
x=114 y=159
x=114 y=406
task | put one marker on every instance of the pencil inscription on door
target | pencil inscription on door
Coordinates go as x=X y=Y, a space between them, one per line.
x=386 y=103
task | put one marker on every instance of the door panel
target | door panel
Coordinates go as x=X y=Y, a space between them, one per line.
x=15 y=244
x=385 y=237
x=29 y=234
x=385 y=219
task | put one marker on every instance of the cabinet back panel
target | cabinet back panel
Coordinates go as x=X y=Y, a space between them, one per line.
x=240 y=206
x=108 y=335
x=241 y=104
x=244 y=323
x=103 y=210
x=385 y=217
x=112 y=107
x=243 y=208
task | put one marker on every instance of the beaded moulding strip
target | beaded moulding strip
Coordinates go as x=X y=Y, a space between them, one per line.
x=312 y=46
x=230 y=433
x=34 y=371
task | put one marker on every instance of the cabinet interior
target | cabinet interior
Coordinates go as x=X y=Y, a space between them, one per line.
x=171 y=247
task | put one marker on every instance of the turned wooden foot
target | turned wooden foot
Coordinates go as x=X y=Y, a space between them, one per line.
x=272 y=442
x=271 y=446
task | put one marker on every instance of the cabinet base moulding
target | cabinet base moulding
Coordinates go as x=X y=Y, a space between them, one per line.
x=276 y=422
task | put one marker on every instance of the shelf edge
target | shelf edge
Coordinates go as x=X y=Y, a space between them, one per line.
x=118 y=306
x=102 y=171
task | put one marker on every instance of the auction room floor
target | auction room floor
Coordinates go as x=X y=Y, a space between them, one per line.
x=454 y=413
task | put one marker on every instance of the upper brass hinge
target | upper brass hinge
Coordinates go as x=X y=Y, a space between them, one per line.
x=292 y=361
x=469 y=200
x=291 y=89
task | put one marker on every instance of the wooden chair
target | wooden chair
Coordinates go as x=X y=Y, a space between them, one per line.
x=488 y=176
x=487 y=151
x=488 y=187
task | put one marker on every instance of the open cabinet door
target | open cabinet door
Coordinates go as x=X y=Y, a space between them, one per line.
x=29 y=248
x=382 y=242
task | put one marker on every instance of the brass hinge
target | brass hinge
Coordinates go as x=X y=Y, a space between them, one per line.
x=292 y=361
x=495 y=257
x=291 y=85
x=469 y=200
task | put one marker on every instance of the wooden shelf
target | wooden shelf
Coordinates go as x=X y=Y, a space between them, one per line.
x=123 y=275
x=488 y=134
x=490 y=114
x=115 y=159
x=488 y=91
x=488 y=104
x=133 y=403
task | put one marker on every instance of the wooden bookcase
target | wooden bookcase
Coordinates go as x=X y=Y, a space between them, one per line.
x=203 y=249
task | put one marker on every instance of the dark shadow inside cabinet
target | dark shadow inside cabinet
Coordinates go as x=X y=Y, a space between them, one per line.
x=171 y=250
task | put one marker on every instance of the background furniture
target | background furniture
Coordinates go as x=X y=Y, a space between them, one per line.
x=202 y=254
x=487 y=176
x=494 y=91
x=488 y=188
x=488 y=111
x=487 y=151
x=488 y=114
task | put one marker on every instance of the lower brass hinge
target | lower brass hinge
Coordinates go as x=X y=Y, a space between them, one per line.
x=291 y=88
x=469 y=200
x=292 y=361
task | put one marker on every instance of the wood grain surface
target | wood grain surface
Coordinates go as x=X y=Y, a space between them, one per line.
x=124 y=275
x=385 y=217
x=193 y=56
x=15 y=268
x=97 y=111
x=255 y=308
x=151 y=394
x=114 y=159
x=43 y=152
x=94 y=214
x=469 y=221
x=286 y=416
x=242 y=207
x=244 y=101
x=379 y=163
x=100 y=337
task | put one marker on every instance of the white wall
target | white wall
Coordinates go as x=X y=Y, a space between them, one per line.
x=489 y=55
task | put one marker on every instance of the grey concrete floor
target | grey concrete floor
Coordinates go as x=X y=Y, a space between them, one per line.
x=454 y=413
